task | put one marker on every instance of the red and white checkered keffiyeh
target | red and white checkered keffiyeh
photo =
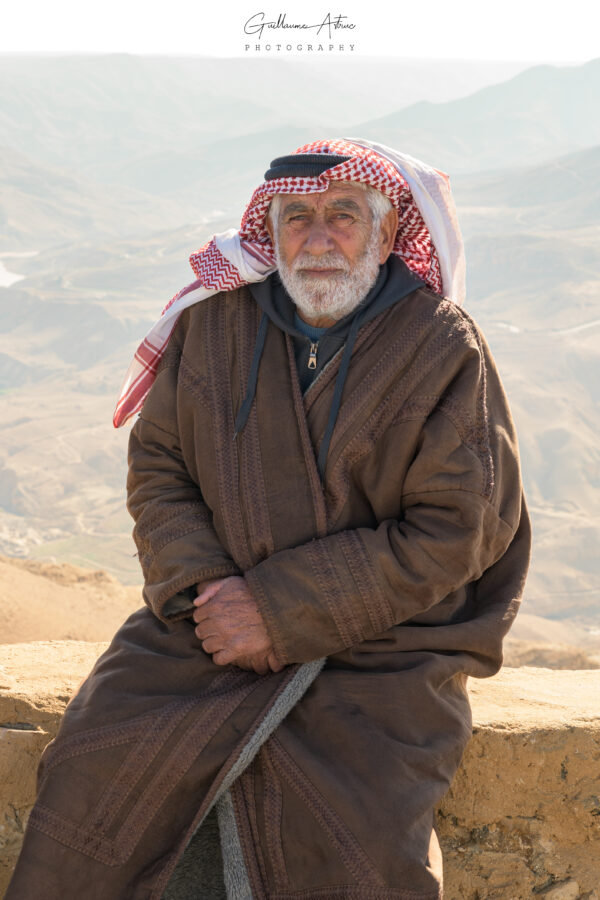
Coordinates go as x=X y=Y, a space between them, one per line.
x=428 y=240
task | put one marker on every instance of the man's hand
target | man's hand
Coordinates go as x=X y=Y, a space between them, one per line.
x=231 y=628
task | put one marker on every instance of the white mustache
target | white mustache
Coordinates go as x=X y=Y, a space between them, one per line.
x=320 y=263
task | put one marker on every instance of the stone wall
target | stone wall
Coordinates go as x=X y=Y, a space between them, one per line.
x=521 y=820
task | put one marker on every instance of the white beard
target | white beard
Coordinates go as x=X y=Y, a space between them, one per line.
x=334 y=295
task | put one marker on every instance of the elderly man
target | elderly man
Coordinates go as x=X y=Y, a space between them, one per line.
x=329 y=517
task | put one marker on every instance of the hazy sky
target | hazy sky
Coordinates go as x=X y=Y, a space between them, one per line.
x=529 y=30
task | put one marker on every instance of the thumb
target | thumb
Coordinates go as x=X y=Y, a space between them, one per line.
x=274 y=663
x=209 y=591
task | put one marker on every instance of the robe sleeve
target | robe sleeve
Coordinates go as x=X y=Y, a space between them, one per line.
x=458 y=513
x=177 y=544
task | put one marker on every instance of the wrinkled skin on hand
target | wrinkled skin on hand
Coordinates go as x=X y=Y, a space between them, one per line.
x=231 y=628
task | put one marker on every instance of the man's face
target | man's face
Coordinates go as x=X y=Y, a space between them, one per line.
x=327 y=251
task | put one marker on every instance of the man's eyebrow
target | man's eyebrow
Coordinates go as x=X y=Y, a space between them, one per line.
x=299 y=206
x=345 y=204
x=295 y=206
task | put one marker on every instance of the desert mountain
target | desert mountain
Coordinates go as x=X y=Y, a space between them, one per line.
x=42 y=205
x=96 y=113
x=540 y=113
x=571 y=182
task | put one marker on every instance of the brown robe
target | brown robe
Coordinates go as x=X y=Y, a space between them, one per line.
x=403 y=569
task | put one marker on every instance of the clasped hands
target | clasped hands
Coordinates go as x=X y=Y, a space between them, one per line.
x=231 y=628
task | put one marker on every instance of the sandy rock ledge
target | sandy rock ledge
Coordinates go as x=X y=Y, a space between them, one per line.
x=522 y=819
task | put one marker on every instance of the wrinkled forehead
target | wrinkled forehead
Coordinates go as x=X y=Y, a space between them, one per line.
x=339 y=195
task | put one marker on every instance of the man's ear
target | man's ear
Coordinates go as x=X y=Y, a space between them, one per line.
x=387 y=233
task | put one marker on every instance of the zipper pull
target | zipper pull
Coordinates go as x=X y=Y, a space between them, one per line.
x=312 y=359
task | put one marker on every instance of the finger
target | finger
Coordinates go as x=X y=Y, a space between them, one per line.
x=208 y=592
x=260 y=666
x=252 y=663
x=206 y=630
x=212 y=644
x=206 y=611
x=274 y=664
x=242 y=663
x=223 y=657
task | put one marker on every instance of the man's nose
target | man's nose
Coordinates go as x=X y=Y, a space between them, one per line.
x=318 y=240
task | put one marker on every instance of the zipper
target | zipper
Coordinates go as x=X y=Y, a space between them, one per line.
x=325 y=368
x=312 y=357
